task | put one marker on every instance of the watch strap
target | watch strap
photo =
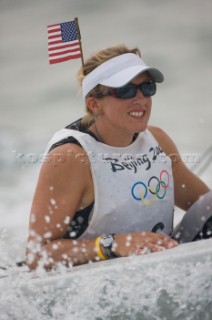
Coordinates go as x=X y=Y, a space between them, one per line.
x=108 y=249
x=98 y=249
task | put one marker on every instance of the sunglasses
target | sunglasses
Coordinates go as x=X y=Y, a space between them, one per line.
x=129 y=90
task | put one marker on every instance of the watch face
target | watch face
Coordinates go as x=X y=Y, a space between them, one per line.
x=107 y=241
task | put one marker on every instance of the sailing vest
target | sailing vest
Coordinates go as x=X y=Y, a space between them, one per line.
x=133 y=185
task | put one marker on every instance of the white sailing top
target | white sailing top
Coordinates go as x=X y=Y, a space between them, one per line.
x=133 y=185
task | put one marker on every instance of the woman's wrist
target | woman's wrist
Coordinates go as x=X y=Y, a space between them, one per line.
x=116 y=246
x=105 y=246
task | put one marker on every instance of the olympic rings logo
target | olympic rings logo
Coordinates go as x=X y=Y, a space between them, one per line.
x=154 y=186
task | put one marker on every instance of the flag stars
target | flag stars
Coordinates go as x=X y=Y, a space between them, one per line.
x=69 y=31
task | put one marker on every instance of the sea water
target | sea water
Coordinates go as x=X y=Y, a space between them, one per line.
x=37 y=99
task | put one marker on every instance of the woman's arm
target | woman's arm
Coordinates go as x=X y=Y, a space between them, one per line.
x=64 y=186
x=188 y=187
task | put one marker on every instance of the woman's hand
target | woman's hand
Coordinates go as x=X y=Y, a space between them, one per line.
x=139 y=243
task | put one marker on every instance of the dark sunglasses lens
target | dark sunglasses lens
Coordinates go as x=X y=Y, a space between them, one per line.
x=148 y=89
x=129 y=91
x=126 y=92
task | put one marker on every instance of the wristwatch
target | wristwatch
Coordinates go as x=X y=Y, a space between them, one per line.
x=107 y=243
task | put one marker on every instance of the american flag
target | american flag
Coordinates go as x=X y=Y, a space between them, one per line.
x=63 y=42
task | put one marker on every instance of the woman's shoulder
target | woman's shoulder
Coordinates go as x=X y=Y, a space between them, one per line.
x=164 y=140
x=157 y=131
x=69 y=153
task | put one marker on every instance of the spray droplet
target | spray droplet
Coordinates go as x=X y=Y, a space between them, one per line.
x=72 y=234
x=47 y=219
x=52 y=201
x=47 y=235
x=67 y=220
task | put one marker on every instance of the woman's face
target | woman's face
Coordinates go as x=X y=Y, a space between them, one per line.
x=131 y=114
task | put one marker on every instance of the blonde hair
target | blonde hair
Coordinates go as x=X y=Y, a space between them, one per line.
x=93 y=62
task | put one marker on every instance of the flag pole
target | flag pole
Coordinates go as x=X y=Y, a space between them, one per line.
x=79 y=37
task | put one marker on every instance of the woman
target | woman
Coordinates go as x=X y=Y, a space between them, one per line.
x=109 y=182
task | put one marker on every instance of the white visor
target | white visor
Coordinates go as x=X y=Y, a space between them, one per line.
x=118 y=71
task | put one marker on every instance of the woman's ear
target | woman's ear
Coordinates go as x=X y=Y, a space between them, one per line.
x=93 y=105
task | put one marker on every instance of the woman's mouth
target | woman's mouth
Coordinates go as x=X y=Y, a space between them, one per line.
x=136 y=114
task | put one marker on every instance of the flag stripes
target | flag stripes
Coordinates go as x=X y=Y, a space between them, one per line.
x=63 y=42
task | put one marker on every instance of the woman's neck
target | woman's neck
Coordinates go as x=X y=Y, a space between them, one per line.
x=114 y=138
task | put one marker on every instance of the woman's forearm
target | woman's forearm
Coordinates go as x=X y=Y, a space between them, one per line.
x=76 y=252
x=63 y=251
